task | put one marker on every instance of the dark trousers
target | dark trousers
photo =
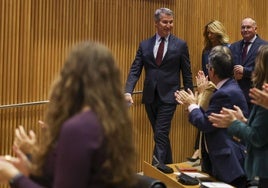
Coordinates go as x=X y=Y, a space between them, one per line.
x=240 y=182
x=197 y=139
x=160 y=115
x=263 y=183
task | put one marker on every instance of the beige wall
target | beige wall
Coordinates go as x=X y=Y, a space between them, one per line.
x=35 y=36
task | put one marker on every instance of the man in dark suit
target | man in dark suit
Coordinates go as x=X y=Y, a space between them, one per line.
x=162 y=64
x=244 y=62
x=222 y=155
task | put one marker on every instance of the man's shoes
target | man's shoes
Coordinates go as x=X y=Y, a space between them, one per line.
x=164 y=168
x=192 y=159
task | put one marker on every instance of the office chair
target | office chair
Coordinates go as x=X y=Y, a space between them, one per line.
x=148 y=182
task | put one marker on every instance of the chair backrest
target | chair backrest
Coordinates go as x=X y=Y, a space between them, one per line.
x=148 y=182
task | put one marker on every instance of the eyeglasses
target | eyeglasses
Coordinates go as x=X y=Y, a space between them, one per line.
x=208 y=66
x=246 y=27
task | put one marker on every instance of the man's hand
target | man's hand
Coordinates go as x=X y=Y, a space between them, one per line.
x=129 y=99
x=187 y=98
x=238 y=72
x=201 y=81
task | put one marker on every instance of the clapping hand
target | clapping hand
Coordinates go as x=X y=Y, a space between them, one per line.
x=26 y=143
x=7 y=169
x=259 y=97
x=11 y=166
x=226 y=117
x=201 y=81
x=187 y=98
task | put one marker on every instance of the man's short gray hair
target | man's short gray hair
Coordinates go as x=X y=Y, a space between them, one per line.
x=158 y=12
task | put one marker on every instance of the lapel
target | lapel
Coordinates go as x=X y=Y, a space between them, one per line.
x=241 y=50
x=169 y=47
x=151 y=48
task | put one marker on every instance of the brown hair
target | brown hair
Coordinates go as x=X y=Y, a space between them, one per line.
x=91 y=78
x=260 y=73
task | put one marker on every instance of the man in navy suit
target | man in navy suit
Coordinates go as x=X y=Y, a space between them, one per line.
x=162 y=79
x=222 y=155
x=245 y=65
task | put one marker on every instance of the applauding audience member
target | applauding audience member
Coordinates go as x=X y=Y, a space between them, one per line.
x=253 y=131
x=222 y=157
x=87 y=141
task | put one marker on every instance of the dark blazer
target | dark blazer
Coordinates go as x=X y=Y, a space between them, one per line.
x=205 y=61
x=256 y=137
x=249 y=64
x=226 y=155
x=164 y=78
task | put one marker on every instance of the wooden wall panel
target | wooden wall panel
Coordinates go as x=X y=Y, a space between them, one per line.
x=36 y=35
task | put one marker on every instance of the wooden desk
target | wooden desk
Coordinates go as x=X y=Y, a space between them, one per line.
x=169 y=179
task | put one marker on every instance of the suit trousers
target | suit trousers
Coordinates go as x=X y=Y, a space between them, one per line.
x=160 y=115
x=239 y=182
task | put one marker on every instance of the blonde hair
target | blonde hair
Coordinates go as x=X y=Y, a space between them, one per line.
x=217 y=28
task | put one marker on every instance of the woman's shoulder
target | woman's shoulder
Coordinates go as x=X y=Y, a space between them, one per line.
x=84 y=120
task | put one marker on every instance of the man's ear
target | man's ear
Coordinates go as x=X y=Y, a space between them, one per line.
x=212 y=71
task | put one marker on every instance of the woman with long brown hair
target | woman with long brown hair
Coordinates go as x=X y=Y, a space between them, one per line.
x=87 y=141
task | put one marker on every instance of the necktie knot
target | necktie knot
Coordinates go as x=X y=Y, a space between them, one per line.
x=247 y=43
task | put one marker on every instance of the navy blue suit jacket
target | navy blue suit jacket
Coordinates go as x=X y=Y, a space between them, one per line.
x=226 y=155
x=249 y=64
x=164 y=78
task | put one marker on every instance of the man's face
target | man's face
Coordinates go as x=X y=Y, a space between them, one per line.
x=210 y=71
x=248 y=29
x=164 y=25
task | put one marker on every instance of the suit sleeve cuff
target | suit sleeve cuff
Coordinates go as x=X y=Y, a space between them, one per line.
x=191 y=107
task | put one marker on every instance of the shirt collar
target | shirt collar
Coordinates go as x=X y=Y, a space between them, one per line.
x=252 y=40
x=221 y=83
x=158 y=37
